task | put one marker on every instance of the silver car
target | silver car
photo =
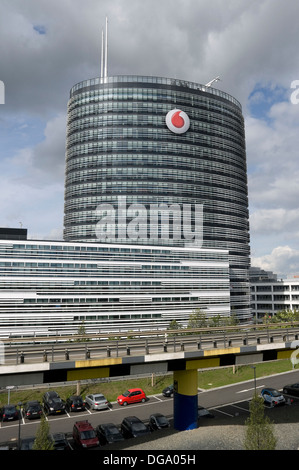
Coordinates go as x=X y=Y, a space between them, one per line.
x=97 y=401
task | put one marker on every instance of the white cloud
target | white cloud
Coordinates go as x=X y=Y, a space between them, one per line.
x=282 y=260
x=32 y=184
x=272 y=154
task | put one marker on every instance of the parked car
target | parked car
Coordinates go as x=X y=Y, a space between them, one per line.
x=108 y=433
x=272 y=397
x=204 y=413
x=84 y=435
x=53 y=404
x=97 y=401
x=168 y=391
x=75 y=403
x=291 y=389
x=158 y=421
x=32 y=410
x=132 y=426
x=60 y=441
x=132 y=395
x=9 y=413
x=27 y=443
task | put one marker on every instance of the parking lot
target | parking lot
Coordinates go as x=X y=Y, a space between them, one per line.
x=229 y=413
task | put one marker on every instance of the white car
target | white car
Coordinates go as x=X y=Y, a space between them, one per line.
x=272 y=397
x=97 y=401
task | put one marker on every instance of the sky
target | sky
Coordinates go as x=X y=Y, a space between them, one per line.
x=46 y=47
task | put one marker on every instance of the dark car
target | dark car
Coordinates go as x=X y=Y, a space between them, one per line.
x=27 y=443
x=84 y=435
x=53 y=404
x=108 y=433
x=291 y=389
x=32 y=410
x=9 y=413
x=60 y=441
x=158 y=421
x=168 y=391
x=132 y=426
x=75 y=403
x=204 y=413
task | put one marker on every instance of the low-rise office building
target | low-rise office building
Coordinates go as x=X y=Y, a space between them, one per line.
x=270 y=295
x=57 y=287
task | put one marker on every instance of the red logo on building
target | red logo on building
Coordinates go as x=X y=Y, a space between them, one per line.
x=177 y=121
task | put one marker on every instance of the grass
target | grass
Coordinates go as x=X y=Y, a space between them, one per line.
x=207 y=379
x=228 y=375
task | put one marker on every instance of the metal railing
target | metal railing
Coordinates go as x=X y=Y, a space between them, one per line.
x=96 y=346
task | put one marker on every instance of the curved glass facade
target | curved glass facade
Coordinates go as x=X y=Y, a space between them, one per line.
x=118 y=146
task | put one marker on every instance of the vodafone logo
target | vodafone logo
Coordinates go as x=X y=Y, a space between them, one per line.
x=177 y=121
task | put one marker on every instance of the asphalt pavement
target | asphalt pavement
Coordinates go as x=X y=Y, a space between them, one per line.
x=229 y=406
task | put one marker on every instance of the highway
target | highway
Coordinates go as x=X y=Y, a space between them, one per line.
x=225 y=404
x=58 y=349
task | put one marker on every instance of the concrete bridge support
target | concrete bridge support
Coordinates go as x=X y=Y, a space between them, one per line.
x=185 y=399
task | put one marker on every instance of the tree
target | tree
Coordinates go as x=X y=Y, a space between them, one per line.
x=82 y=332
x=260 y=430
x=174 y=325
x=197 y=319
x=42 y=440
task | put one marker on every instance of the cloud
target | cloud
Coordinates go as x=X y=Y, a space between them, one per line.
x=47 y=47
x=282 y=260
x=33 y=184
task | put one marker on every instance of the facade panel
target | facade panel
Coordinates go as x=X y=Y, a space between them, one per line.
x=58 y=287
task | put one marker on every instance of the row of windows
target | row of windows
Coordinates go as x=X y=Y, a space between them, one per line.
x=64 y=266
x=100 y=252
x=217 y=162
x=138 y=79
x=200 y=120
x=213 y=209
x=137 y=130
x=275 y=307
x=98 y=110
x=103 y=300
x=151 y=179
x=153 y=146
x=150 y=141
x=163 y=188
x=226 y=174
x=153 y=96
x=275 y=288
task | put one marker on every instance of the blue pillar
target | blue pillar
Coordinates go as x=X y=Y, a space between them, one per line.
x=185 y=399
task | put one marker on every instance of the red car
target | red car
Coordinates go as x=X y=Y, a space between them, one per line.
x=84 y=435
x=133 y=395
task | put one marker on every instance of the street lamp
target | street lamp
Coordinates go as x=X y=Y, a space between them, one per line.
x=254 y=373
x=9 y=388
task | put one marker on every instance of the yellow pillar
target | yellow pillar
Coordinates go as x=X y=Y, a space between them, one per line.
x=185 y=399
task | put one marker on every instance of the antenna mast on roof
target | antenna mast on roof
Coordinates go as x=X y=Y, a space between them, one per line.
x=104 y=54
x=217 y=79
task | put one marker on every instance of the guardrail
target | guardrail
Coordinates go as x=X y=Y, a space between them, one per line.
x=58 y=351
x=147 y=333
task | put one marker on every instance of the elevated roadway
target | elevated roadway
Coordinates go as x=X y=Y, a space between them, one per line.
x=54 y=359
x=61 y=359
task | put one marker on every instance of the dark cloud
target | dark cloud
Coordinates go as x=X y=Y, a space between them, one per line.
x=47 y=47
